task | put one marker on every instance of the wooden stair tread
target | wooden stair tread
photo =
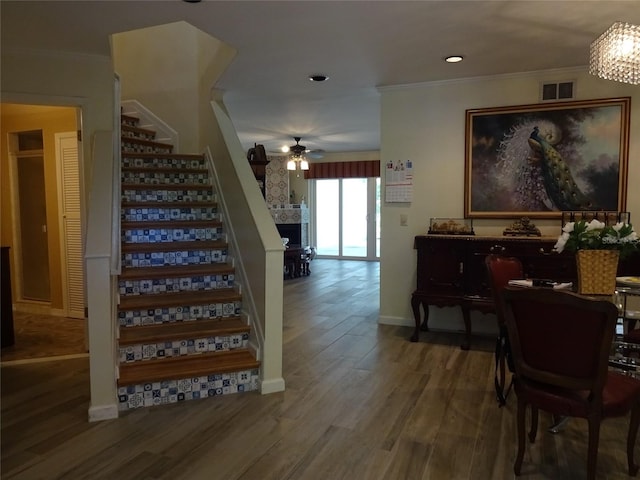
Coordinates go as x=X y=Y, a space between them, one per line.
x=181 y=330
x=172 y=224
x=179 y=204
x=174 y=368
x=131 y=118
x=166 y=271
x=150 y=143
x=178 y=299
x=171 y=246
x=166 y=186
x=187 y=156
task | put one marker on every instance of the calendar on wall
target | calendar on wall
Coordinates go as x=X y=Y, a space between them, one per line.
x=399 y=181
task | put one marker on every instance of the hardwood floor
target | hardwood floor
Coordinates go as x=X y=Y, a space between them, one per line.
x=361 y=402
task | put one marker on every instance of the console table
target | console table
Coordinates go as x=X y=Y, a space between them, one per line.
x=451 y=272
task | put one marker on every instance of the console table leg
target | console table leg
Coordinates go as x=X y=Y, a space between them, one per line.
x=415 y=306
x=466 y=316
x=425 y=323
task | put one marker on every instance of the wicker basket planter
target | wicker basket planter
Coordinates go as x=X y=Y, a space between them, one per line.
x=597 y=271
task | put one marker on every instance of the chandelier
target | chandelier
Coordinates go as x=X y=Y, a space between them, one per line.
x=615 y=55
x=297 y=160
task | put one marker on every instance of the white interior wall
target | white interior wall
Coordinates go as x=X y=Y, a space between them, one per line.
x=157 y=67
x=426 y=124
x=86 y=82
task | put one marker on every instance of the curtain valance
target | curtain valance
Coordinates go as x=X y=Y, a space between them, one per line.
x=356 y=169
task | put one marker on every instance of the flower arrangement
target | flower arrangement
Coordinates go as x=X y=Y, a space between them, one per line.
x=595 y=235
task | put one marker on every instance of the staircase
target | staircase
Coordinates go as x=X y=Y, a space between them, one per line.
x=181 y=332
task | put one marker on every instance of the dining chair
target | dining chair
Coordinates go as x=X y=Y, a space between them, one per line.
x=501 y=269
x=560 y=342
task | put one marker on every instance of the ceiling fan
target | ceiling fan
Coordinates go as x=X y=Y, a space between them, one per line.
x=298 y=150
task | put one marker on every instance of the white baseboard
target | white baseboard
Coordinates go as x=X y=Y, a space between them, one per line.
x=272 y=386
x=103 y=412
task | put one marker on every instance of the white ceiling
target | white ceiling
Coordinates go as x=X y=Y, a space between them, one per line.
x=360 y=45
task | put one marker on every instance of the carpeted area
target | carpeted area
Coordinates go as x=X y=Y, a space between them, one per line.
x=43 y=336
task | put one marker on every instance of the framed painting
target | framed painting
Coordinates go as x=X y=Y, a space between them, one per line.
x=538 y=160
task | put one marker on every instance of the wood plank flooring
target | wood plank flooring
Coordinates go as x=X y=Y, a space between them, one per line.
x=362 y=402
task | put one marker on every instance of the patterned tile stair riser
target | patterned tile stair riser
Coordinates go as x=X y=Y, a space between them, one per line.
x=176 y=348
x=161 y=178
x=183 y=163
x=174 y=391
x=130 y=194
x=129 y=146
x=173 y=244
x=185 y=313
x=167 y=235
x=134 y=134
x=179 y=284
x=168 y=213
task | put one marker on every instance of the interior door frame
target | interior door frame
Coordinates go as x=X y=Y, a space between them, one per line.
x=16 y=251
x=371 y=220
x=54 y=101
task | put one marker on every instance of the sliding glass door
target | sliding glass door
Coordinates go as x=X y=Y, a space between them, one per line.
x=347 y=217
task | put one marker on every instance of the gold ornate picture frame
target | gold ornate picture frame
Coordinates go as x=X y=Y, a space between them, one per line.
x=538 y=160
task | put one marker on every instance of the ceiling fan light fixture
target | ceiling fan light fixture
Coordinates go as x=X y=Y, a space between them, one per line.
x=304 y=165
x=318 y=78
x=291 y=165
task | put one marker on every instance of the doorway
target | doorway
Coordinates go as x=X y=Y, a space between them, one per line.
x=31 y=210
x=347 y=218
x=42 y=225
x=43 y=210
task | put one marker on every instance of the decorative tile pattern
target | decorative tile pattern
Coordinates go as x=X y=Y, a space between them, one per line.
x=289 y=213
x=163 y=162
x=276 y=180
x=138 y=134
x=174 y=391
x=179 y=284
x=194 y=346
x=128 y=121
x=162 y=235
x=160 y=195
x=169 y=213
x=133 y=146
x=154 y=316
x=159 y=178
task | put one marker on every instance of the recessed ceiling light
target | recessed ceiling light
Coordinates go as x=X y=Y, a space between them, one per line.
x=318 y=78
x=453 y=58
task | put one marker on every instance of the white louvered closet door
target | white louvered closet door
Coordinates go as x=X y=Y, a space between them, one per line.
x=71 y=227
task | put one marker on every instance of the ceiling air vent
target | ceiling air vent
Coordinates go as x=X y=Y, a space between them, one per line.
x=557 y=91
